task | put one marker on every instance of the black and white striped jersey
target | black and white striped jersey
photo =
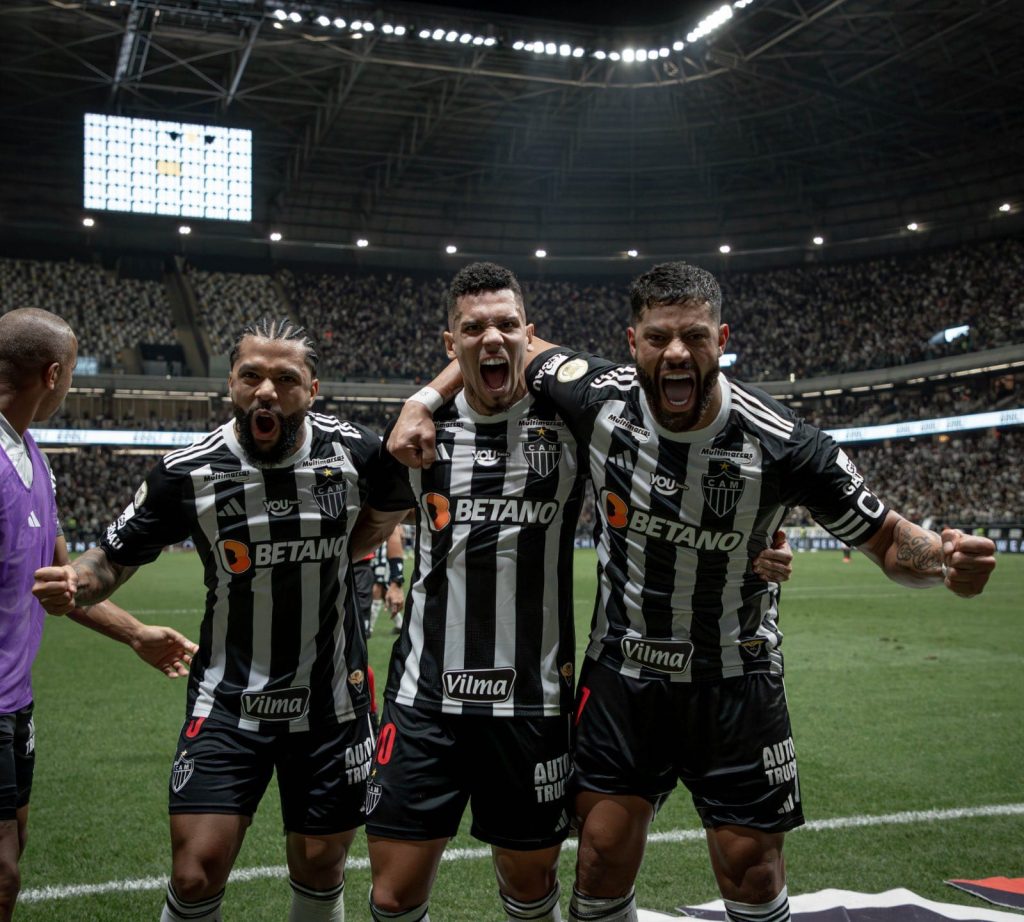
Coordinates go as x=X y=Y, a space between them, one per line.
x=280 y=647
x=488 y=626
x=683 y=515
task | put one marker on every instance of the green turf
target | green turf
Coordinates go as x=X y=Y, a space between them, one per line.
x=901 y=701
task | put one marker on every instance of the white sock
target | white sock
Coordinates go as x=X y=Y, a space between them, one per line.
x=416 y=914
x=309 y=905
x=543 y=910
x=375 y=609
x=592 y=909
x=775 y=911
x=177 y=910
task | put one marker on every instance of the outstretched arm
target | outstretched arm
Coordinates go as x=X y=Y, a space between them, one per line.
x=91 y=578
x=912 y=556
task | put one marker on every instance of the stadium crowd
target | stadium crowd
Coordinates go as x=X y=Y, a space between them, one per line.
x=803 y=321
x=109 y=314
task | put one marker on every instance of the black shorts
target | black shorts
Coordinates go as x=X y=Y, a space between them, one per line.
x=513 y=771
x=321 y=774
x=17 y=761
x=729 y=742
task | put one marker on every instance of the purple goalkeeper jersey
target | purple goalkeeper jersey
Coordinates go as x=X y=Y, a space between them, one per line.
x=28 y=531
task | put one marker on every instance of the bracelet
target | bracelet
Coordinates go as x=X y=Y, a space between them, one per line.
x=430 y=397
x=396 y=568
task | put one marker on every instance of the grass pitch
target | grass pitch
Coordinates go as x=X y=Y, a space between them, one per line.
x=901 y=701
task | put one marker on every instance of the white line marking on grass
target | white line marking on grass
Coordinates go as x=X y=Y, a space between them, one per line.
x=43 y=894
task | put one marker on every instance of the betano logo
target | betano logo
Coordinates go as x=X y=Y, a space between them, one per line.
x=619 y=516
x=237 y=557
x=441 y=511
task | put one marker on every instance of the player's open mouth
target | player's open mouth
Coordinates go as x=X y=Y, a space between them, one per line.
x=677 y=387
x=265 y=425
x=494 y=372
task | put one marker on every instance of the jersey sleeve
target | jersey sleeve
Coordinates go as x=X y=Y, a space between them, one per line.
x=823 y=478
x=390 y=490
x=151 y=521
x=576 y=381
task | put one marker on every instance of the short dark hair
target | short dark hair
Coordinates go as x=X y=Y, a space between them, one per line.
x=32 y=339
x=477 y=278
x=675 y=283
x=282 y=329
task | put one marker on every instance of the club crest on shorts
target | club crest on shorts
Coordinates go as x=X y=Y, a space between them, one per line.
x=181 y=771
x=722 y=490
x=373 y=792
x=330 y=492
x=543 y=451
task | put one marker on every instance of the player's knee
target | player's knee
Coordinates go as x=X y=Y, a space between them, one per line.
x=193 y=882
x=317 y=860
x=756 y=880
x=527 y=884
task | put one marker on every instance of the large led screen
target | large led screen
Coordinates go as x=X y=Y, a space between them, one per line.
x=167 y=168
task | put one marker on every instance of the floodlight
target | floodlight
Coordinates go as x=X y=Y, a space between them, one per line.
x=632 y=254
x=88 y=222
x=628 y=55
x=451 y=36
x=540 y=254
x=600 y=55
x=578 y=52
x=400 y=30
x=465 y=38
x=678 y=46
x=275 y=236
x=478 y=39
x=340 y=23
x=437 y=34
x=551 y=48
x=615 y=56
x=323 y=21
x=818 y=241
x=565 y=50
x=280 y=15
x=913 y=226
x=368 y=26
x=184 y=230
x=641 y=54
x=362 y=243
x=1004 y=207
x=451 y=249
x=490 y=41
x=725 y=248
x=278 y=25
x=295 y=16
x=519 y=45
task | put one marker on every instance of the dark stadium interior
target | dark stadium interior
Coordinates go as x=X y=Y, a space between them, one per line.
x=842 y=119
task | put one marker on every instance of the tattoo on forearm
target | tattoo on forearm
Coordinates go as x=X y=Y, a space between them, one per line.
x=102 y=574
x=917 y=549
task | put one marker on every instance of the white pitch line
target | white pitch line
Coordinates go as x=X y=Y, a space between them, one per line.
x=42 y=894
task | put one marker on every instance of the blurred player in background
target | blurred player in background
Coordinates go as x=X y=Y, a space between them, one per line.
x=37 y=358
x=389 y=579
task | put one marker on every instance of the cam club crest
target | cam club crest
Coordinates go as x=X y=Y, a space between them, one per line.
x=543 y=451
x=181 y=771
x=330 y=492
x=722 y=490
x=373 y=792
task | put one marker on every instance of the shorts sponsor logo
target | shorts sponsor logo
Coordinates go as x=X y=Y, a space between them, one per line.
x=722 y=490
x=638 y=432
x=667 y=486
x=779 y=762
x=488 y=457
x=549 y=779
x=441 y=511
x=619 y=515
x=330 y=493
x=277 y=705
x=571 y=371
x=479 y=685
x=668 y=656
x=358 y=761
x=373 y=792
x=181 y=771
x=543 y=451
x=280 y=507
x=237 y=557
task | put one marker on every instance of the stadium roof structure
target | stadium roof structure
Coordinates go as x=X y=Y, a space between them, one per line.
x=416 y=127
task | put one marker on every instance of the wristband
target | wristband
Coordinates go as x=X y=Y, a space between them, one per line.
x=430 y=397
x=396 y=570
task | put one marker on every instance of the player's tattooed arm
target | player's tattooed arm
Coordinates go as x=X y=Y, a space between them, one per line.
x=909 y=554
x=918 y=549
x=98 y=576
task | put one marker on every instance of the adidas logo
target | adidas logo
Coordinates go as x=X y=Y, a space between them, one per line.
x=231 y=508
x=442 y=453
x=33 y=522
x=622 y=460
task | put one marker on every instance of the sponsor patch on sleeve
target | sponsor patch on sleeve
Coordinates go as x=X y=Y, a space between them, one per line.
x=571 y=371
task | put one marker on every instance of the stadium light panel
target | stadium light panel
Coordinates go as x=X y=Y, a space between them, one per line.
x=632 y=254
x=519 y=45
x=362 y=243
x=678 y=46
x=490 y=41
x=323 y=21
x=400 y=30
x=280 y=15
x=278 y=25
x=184 y=230
x=424 y=33
x=340 y=23
x=275 y=236
x=451 y=249
x=478 y=40
x=615 y=56
x=540 y=254
x=600 y=55
x=725 y=248
x=913 y=226
x=88 y=222
x=368 y=26
x=356 y=25
x=437 y=35
x=818 y=241
x=295 y=16
x=451 y=36
x=551 y=48
x=578 y=52
x=565 y=50
x=465 y=38
x=1005 y=207
x=628 y=55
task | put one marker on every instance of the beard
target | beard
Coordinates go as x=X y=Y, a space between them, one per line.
x=680 y=422
x=289 y=427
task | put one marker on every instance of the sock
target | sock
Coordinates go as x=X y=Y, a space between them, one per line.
x=416 y=914
x=543 y=910
x=309 y=905
x=375 y=609
x=177 y=910
x=775 y=911
x=594 y=909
